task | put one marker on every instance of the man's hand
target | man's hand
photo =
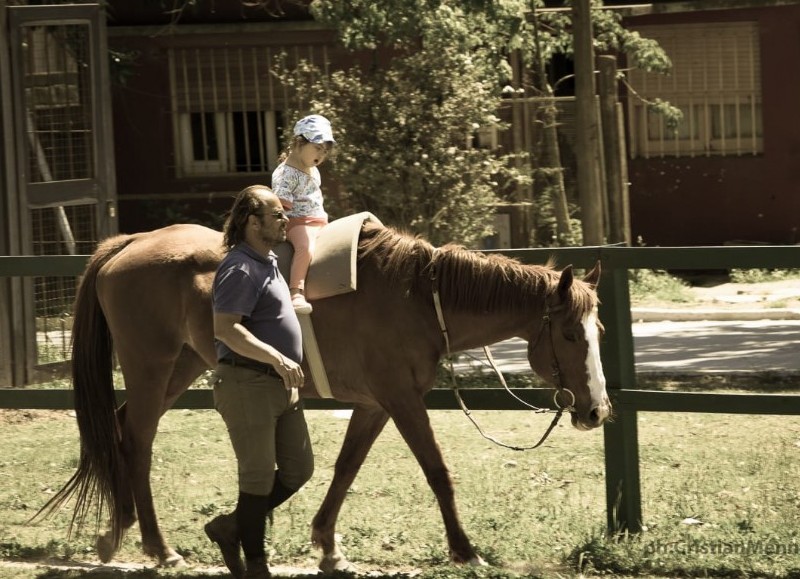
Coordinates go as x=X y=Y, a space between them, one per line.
x=291 y=372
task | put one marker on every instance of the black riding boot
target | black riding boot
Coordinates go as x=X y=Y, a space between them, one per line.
x=251 y=521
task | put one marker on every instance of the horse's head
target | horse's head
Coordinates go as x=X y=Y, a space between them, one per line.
x=564 y=348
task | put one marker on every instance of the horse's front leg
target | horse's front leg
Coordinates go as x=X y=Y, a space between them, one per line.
x=364 y=427
x=411 y=417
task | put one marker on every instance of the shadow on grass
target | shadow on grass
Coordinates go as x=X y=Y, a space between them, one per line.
x=111 y=572
x=98 y=572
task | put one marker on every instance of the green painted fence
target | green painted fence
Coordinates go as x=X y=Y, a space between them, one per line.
x=623 y=497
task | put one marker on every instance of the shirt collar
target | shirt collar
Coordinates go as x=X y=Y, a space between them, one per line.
x=244 y=247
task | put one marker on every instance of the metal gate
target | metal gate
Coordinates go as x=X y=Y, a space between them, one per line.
x=64 y=169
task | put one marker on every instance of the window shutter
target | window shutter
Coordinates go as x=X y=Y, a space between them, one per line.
x=225 y=79
x=707 y=60
x=715 y=81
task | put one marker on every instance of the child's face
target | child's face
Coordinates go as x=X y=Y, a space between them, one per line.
x=312 y=154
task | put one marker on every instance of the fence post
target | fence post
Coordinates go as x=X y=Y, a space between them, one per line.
x=623 y=494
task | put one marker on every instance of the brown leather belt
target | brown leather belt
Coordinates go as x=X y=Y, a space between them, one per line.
x=250 y=365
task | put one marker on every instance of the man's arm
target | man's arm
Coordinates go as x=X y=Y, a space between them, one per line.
x=228 y=329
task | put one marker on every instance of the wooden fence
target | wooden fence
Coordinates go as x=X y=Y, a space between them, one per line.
x=623 y=497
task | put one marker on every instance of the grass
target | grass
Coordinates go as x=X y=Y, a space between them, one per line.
x=534 y=514
x=717 y=512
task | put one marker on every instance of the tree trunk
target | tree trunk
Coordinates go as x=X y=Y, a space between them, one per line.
x=552 y=172
x=607 y=87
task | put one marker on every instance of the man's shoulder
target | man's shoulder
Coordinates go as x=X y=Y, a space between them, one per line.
x=242 y=260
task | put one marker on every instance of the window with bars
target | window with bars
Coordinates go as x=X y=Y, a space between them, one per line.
x=227 y=108
x=715 y=82
x=229 y=142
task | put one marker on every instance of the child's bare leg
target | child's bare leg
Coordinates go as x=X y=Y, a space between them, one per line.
x=303 y=237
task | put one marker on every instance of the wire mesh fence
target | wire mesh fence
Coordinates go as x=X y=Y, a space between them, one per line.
x=53 y=296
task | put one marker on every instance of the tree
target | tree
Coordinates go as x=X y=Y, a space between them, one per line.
x=405 y=125
x=570 y=33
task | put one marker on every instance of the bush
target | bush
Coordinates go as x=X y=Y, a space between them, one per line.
x=762 y=275
x=648 y=284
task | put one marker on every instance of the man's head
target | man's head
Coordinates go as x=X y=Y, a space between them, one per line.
x=256 y=217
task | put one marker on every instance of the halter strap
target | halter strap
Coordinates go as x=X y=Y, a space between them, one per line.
x=437 y=304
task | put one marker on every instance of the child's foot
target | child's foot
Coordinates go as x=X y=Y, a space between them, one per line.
x=301 y=306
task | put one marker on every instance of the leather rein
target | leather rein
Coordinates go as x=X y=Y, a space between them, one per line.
x=556 y=370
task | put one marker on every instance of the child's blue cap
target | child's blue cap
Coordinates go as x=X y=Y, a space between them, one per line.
x=315 y=128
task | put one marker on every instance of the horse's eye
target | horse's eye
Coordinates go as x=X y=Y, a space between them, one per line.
x=570 y=336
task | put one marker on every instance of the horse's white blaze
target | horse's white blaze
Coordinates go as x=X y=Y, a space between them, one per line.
x=594 y=367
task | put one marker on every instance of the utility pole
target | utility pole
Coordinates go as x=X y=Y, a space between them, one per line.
x=586 y=141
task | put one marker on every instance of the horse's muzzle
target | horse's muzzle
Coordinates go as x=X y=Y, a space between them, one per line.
x=596 y=417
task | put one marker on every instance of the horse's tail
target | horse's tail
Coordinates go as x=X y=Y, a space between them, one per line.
x=100 y=470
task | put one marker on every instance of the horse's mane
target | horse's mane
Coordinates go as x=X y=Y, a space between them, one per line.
x=465 y=279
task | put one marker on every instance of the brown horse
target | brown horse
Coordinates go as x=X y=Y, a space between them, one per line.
x=146 y=297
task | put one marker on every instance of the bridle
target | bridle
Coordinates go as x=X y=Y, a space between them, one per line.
x=555 y=368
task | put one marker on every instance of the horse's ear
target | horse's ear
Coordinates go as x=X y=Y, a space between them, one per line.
x=593 y=277
x=565 y=282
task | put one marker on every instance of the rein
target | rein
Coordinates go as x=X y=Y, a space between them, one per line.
x=556 y=371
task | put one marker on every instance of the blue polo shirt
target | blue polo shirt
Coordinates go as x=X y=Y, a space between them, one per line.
x=250 y=285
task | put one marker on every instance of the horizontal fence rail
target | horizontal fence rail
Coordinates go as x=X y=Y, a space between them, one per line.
x=623 y=499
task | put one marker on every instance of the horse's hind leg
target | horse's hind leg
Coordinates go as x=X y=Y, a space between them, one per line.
x=105 y=544
x=147 y=401
x=364 y=427
x=411 y=417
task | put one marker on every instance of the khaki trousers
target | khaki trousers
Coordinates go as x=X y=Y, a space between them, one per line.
x=267 y=428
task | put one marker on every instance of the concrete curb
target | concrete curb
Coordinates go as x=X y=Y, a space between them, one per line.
x=703 y=314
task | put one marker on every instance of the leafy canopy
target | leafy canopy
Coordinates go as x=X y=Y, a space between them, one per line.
x=428 y=74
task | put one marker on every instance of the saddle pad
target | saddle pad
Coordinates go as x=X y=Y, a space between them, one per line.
x=332 y=272
x=333 y=269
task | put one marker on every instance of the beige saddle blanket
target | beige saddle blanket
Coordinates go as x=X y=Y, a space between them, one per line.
x=332 y=272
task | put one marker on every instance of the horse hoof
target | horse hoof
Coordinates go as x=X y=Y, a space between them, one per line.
x=477 y=561
x=173 y=561
x=336 y=562
x=105 y=548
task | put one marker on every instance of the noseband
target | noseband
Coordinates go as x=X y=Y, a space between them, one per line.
x=556 y=370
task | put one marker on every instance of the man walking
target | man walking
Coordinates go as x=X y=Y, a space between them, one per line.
x=259 y=350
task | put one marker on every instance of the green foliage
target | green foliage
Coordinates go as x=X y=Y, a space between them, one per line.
x=656 y=285
x=404 y=126
x=762 y=275
x=483 y=29
x=672 y=115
